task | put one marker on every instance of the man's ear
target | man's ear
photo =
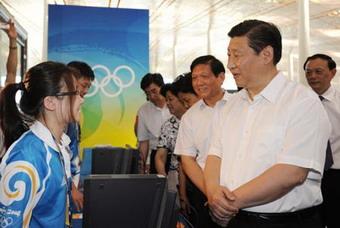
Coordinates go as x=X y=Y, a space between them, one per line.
x=333 y=72
x=50 y=103
x=268 y=54
x=221 y=77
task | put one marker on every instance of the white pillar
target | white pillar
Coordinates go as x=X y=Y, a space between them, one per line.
x=210 y=21
x=174 y=61
x=45 y=29
x=303 y=35
x=210 y=24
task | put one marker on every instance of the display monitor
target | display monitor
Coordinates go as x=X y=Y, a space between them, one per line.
x=114 y=160
x=128 y=201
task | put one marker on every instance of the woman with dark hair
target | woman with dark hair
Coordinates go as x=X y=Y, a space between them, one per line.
x=35 y=171
x=186 y=92
x=167 y=163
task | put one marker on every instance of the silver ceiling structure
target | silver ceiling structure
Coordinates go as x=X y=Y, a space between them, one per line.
x=181 y=30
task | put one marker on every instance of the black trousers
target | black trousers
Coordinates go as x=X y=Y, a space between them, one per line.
x=200 y=217
x=330 y=187
x=307 y=218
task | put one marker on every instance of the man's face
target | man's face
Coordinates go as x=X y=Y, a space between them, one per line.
x=84 y=85
x=318 y=75
x=153 y=93
x=204 y=82
x=242 y=62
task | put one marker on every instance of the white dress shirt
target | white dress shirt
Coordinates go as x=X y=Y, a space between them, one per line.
x=331 y=103
x=150 y=121
x=194 y=133
x=285 y=124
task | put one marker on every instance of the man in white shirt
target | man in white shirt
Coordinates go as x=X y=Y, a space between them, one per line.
x=151 y=115
x=266 y=158
x=194 y=132
x=320 y=70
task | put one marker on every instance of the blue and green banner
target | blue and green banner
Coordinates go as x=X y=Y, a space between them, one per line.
x=115 y=43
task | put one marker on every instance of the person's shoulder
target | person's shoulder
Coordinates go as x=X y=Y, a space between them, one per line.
x=225 y=99
x=297 y=91
x=192 y=110
x=169 y=123
x=334 y=96
x=235 y=96
x=27 y=147
x=195 y=107
x=336 y=92
x=30 y=141
x=297 y=98
x=232 y=102
x=145 y=107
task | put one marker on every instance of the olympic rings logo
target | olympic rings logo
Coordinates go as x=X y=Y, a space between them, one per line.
x=5 y=222
x=104 y=84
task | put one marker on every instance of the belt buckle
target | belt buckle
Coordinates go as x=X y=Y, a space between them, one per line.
x=265 y=217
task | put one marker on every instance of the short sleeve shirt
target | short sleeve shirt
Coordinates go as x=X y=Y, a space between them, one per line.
x=195 y=130
x=331 y=103
x=285 y=124
x=150 y=120
x=167 y=139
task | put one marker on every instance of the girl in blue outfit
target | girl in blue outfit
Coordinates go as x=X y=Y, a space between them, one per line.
x=34 y=178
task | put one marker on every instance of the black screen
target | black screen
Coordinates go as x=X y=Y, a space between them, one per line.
x=124 y=201
x=114 y=160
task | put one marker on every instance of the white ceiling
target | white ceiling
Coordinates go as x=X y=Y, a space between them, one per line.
x=181 y=30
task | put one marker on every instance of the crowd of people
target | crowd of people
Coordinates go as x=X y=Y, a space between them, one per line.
x=267 y=155
x=264 y=156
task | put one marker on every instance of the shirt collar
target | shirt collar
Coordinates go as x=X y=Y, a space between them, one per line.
x=223 y=100
x=271 y=91
x=156 y=107
x=329 y=94
x=42 y=132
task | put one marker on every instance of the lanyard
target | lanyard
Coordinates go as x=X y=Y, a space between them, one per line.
x=68 y=189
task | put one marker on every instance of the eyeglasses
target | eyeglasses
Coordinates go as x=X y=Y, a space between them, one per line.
x=71 y=93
